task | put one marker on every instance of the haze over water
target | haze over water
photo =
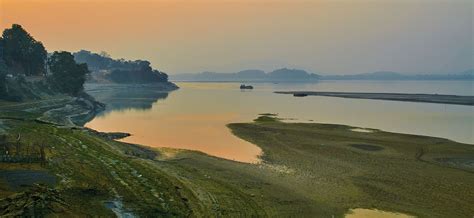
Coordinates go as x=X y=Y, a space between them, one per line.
x=195 y=116
x=320 y=36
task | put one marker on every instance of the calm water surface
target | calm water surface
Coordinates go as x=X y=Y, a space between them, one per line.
x=195 y=116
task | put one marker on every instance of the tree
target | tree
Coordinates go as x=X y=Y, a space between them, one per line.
x=3 y=84
x=3 y=71
x=94 y=61
x=67 y=76
x=22 y=52
x=104 y=54
x=3 y=74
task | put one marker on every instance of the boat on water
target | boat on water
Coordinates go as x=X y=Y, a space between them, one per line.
x=243 y=86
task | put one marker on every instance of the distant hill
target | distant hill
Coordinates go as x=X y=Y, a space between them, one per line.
x=285 y=74
x=279 y=75
x=295 y=75
x=387 y=75
x=106 y=69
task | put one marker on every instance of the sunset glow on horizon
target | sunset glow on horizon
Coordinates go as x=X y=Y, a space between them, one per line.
x=237 y=108
x=321 y=36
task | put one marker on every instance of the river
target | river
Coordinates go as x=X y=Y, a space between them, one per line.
x=195 y=116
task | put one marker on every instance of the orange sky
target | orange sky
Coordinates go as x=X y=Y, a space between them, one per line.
x=340 y=36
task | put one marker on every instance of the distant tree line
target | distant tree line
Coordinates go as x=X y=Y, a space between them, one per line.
x=121 y=70
x=143 y=74
x=22 y=56
x=103 y=61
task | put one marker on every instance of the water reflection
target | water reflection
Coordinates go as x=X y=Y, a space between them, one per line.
x=195 y=116
x=186 y=120
x=125 y=97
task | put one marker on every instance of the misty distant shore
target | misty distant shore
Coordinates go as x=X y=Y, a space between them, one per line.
x=296 y=75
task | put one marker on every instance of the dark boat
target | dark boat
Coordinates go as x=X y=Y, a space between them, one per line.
x=300 y=94
x=245 y=87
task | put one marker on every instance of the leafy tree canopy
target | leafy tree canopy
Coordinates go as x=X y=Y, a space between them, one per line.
x=21 y=52
x=121 y=71
x=67 y=76
x=143 y=75
x=3 y=72
x=103 y=61
x=3 y=84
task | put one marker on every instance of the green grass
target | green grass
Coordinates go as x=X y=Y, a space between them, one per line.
x=85 y=162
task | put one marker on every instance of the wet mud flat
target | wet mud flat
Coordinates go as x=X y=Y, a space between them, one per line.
x=427 y=98
x=405 y=174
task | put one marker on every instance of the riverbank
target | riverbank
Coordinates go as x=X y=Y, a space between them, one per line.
x=336 y=168
x=306 y=170
x=427 y=98
x=92 y=174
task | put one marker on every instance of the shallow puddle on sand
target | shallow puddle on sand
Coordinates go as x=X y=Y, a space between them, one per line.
x=362 y=130
x=374 y=213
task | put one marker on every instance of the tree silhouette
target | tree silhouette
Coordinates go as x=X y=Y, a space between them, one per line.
x=67 y=76
x=22 y=52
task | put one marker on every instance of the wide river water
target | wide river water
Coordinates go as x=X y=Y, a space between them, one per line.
x=195 y=116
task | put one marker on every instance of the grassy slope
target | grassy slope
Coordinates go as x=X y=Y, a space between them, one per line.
x=90 y=169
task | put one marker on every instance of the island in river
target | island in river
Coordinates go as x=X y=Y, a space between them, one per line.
x=427 y=98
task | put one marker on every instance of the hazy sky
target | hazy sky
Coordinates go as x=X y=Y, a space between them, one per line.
x=322 y=36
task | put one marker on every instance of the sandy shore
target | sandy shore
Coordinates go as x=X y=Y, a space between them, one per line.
x=427 y=98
